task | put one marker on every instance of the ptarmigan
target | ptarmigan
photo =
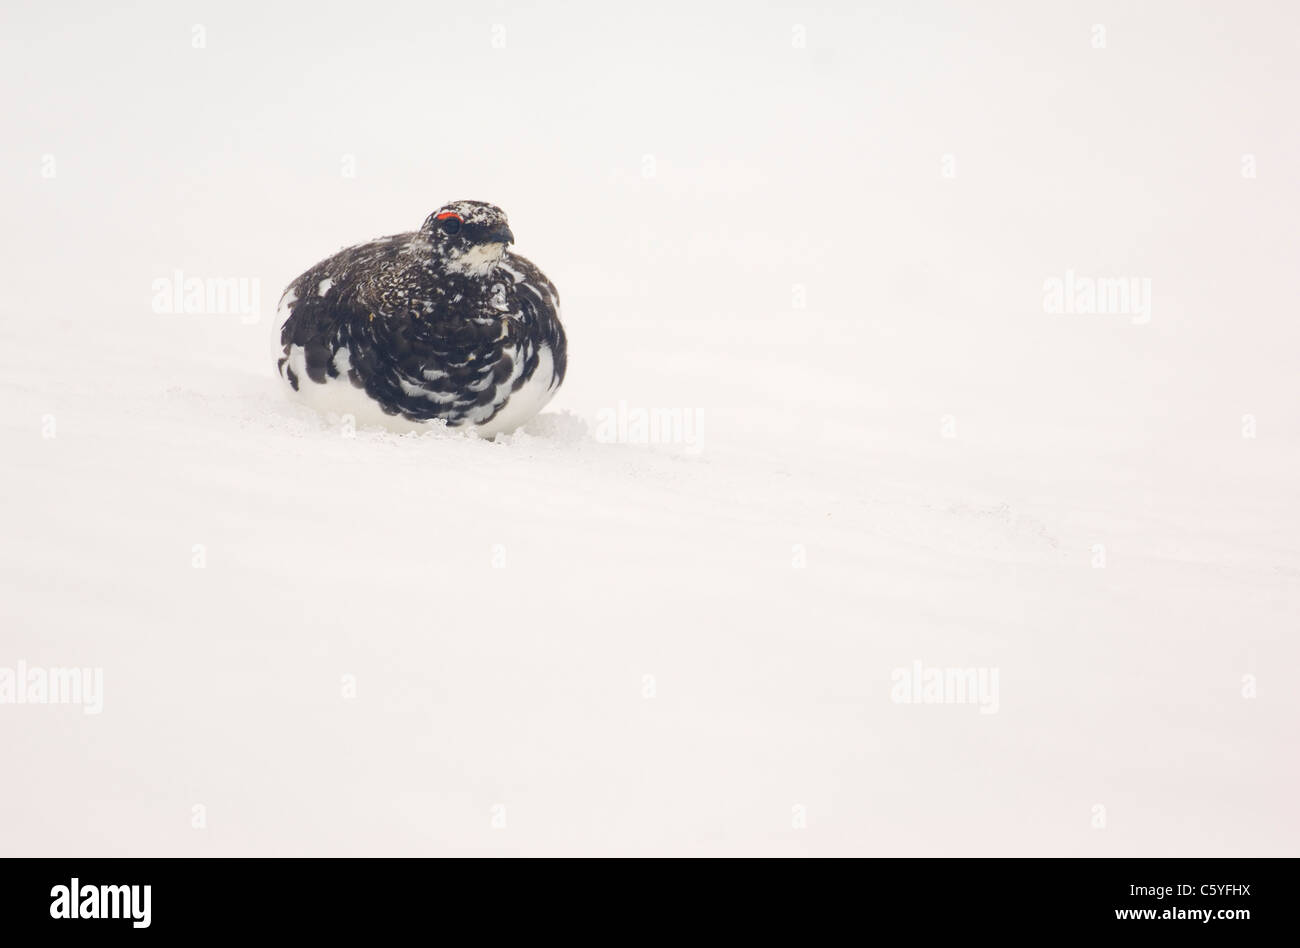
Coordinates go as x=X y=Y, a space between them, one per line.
x=443 y=324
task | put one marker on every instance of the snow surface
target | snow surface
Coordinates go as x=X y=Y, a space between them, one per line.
x=562 y=642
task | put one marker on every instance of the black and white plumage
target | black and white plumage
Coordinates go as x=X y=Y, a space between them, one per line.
x=442 y=324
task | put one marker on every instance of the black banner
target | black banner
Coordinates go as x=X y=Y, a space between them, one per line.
x=979 y=898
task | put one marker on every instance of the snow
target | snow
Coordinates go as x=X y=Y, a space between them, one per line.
x=579 y=639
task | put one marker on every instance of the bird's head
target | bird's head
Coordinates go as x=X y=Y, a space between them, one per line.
x=470 y=235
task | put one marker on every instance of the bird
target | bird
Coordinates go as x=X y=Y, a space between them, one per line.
x=439 y=326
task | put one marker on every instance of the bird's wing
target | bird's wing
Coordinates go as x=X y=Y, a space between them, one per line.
x=358 y=316
x=540 y=301
x=318 y=306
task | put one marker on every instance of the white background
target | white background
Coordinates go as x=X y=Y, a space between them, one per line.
x=679 y=170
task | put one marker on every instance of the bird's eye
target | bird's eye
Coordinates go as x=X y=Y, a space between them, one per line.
x=450 y=221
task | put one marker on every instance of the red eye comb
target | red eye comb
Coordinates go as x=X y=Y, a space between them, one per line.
x=452 y=214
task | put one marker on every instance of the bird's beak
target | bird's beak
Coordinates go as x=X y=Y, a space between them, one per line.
x=501 y=234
